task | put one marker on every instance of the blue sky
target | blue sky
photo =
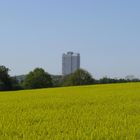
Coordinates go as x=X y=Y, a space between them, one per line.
x=35 y=33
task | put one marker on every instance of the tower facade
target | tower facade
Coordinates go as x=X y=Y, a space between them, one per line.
x=70 y=62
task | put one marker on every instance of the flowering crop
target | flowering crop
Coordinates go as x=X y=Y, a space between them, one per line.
x=99 y=112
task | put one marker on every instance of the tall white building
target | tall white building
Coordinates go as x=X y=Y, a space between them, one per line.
x=70 y=62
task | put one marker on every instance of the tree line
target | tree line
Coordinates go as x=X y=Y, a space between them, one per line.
x=39 y=78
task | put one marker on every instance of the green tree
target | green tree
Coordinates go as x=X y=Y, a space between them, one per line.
x=5 y=80
x=37 y=78
x=79 y=77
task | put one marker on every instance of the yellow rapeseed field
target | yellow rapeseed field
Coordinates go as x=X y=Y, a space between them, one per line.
x=99 y=112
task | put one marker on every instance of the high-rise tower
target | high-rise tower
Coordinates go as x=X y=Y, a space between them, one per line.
x=70 y=62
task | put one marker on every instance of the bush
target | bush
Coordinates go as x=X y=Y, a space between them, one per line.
x=37 y=78
x=79 y=77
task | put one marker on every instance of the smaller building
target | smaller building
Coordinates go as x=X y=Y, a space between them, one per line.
x=70 y=62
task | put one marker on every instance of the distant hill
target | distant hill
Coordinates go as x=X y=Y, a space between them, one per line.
x=20 y=78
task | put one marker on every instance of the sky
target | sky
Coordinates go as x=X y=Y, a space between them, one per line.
x=35 y=33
